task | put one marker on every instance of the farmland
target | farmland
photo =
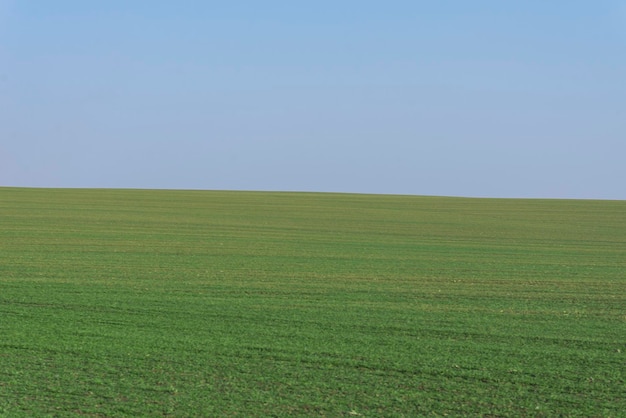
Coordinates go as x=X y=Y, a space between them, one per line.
x=207 y=303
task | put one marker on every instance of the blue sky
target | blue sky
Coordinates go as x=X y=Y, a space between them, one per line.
x=481 y=98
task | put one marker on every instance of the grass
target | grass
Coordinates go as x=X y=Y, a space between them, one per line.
x=196 y=303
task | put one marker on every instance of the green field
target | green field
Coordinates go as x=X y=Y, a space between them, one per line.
x=202 y=303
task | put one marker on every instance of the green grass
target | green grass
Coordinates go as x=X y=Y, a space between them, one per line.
x=195 y=303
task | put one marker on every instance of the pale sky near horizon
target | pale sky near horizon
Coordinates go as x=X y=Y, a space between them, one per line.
x=455 y=98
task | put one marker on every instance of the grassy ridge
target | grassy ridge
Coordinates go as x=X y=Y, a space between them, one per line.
x=128 y=302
